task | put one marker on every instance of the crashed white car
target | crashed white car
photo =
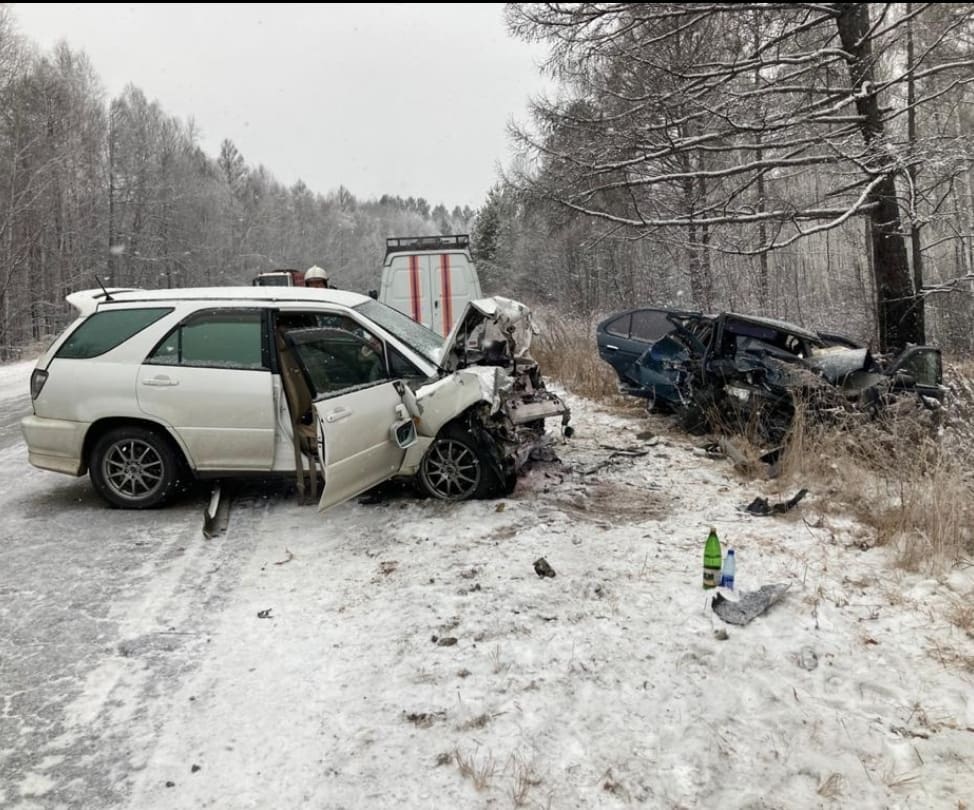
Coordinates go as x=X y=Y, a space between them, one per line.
x=147 y=388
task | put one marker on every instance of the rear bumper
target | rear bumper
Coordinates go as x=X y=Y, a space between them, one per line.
x=55 y=444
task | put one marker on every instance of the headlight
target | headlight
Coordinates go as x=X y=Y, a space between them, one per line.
x=738 y=393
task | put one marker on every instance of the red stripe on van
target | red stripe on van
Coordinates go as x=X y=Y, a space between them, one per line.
x=414 y=288
x=446 y=293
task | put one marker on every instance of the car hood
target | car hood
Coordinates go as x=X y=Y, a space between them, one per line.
x=491 y=331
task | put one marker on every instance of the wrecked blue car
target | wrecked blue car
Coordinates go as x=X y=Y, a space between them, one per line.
x=742 y=370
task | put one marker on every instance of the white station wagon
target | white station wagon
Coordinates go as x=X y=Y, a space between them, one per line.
x=147 y=388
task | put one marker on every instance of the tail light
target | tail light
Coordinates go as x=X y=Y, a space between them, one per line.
x=37 y=380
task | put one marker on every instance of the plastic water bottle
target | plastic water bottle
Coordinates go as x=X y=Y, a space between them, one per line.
x=711 y=560
x=727 y=574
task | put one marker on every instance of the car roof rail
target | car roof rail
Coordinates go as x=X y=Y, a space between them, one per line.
x=456 y=241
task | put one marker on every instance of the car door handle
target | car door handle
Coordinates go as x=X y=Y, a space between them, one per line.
x=160 y=380
x=611 y=348
x=337 y=415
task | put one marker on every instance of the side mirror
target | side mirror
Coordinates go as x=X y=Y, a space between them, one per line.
x=374 y=294
x=404 y=433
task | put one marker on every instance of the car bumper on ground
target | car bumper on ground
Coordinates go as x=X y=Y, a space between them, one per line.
x=55 y=444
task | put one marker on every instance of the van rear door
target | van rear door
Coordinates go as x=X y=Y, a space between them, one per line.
x=456 y=280
x=408 y=288
x=431 y=288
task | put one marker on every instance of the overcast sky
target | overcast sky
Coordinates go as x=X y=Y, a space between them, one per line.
x=408 y=99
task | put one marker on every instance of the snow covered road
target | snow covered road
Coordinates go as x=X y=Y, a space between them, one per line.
x=405 y=654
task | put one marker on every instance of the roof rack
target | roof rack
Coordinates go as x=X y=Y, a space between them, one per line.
x=458 y=241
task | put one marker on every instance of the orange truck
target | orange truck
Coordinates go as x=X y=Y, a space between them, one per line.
x=279 y=278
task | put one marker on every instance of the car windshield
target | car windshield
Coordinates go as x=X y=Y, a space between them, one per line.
x=422 y=340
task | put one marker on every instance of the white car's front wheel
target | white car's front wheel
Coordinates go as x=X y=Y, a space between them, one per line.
x=456 y=467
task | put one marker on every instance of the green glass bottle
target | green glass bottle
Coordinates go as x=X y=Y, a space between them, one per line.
x=711 y=560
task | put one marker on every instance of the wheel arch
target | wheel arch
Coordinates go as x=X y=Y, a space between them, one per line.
x=470 y=422
x=100 y=427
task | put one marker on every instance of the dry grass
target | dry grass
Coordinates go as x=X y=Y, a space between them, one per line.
x=566 y=351
x=523 y=778
x=478 y=771
x=896 y=475
x=962 y=616
x=949 y=657
x=831 y=788
x=497 y=663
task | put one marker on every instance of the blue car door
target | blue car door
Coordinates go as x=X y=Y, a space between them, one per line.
x=624 y=337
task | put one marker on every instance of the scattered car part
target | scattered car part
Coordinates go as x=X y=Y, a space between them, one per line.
x=761 y=507
x=750 y=605
x=216 y=516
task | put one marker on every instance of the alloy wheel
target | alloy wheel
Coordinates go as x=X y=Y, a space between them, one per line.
x=452 y=470
x=133 y=468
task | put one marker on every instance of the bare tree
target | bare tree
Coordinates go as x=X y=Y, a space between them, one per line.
x=123 y=191
x=739 y=129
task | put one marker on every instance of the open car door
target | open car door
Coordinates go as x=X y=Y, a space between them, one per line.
x=363 y=425
x=358 y=447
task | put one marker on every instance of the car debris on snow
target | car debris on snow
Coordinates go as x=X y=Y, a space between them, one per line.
x=751 y=604
x=216 y=516
x=542 y=568
x=761 y=507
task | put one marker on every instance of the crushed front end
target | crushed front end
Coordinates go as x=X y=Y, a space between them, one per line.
x=492 y=342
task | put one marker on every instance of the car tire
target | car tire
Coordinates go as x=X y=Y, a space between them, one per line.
x=133 y=467
x=774 y=423
x=457 y=468
x=693 y=419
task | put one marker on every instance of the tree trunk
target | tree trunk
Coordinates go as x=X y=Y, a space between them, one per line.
x=916 y=244
x=900 y=310
x=764 y=289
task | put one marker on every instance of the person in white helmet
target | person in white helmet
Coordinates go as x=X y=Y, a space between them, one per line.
x=316 y=277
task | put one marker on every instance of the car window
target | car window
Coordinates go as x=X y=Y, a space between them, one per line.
x=398 y=365
x=337 y=359
x=401 y=368
x=423 y=341
x=923 y=364
x=107 y=329
x=649 y=325
x=306 y=320
x=221 y=338
x=619 y=327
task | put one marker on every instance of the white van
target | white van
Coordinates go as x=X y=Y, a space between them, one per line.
x=429 y=278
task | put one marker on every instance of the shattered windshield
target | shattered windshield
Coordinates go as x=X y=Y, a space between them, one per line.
x=422 y=340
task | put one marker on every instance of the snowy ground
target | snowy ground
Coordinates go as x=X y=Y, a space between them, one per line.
x=136 y=672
